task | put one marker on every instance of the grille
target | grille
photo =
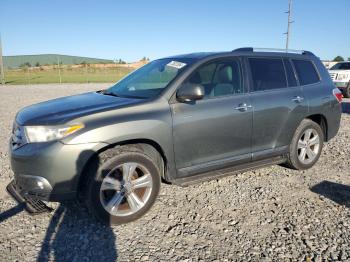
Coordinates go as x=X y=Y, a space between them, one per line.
x=333 y=75
x=18 y=137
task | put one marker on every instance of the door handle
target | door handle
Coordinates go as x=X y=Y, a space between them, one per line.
x=243 y=107
x=298 y=99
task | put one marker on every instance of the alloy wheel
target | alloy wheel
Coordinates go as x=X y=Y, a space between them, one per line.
x=308 y=146
x=126 y=189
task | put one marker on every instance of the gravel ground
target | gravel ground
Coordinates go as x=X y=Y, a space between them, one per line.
x=268 y=214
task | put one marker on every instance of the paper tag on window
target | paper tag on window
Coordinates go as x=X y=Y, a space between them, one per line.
x=176 y=64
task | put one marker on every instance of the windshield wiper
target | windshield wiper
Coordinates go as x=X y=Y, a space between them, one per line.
x=105 y=92
x=135 y=97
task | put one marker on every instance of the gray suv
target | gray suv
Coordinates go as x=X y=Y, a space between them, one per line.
x=176 y=120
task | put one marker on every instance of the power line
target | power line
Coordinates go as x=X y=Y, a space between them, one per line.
x=2 y=74
x=289 y=12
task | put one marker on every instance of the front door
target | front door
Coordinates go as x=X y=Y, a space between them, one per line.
x=216 y=130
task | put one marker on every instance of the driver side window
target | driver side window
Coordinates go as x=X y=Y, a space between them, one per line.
x=219 y=78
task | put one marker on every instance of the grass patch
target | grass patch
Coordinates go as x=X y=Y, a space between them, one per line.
x=68 y=75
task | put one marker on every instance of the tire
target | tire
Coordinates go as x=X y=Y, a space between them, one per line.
x=346 y=91
x=299 y=148
x=107 y=183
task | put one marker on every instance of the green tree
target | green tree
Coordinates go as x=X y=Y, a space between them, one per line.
x=348 y=58
x=120 y=61
x=37 y=64
x=338 y=59
x=25 y=65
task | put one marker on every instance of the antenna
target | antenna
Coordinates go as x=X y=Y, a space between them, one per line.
x=2 y=74
x=289 y=12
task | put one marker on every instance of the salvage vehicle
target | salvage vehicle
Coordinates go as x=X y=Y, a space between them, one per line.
x=177 y=120
x=340 y=74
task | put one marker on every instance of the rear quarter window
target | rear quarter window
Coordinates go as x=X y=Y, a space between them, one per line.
x=306 y=72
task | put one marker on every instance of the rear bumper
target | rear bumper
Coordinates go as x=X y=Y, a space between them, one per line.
x=333 y=116
x=50 y=171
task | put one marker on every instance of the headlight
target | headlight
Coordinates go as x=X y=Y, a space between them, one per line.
x=342 y=76
x=49 y=133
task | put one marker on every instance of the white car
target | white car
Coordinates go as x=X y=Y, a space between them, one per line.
x=340 y=74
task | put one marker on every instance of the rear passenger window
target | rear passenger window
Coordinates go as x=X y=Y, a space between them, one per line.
x=306 y=72
x=290 y=73
x=267 y=73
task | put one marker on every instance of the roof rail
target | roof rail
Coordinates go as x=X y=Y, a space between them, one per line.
x=253 y=49
x=244 y=49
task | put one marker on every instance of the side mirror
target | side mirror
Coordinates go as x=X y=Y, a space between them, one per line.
x=190 y=92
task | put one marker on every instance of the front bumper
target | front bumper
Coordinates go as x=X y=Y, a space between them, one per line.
x=34 y=186
x=32 y=205
x=50 y=171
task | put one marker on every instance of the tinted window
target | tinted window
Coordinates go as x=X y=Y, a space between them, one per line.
x=206 y=73
x=267 y=73
x=306 y=72
x=149 y=80
x=290 y=73
x=218 y=78
x=341 y=66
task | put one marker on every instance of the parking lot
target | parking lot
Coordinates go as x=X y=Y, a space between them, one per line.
x=271 y=213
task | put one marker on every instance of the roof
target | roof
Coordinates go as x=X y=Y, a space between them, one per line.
x=198 y=55
x=245 y=50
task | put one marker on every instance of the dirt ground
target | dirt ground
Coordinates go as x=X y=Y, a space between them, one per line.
x=267 y=214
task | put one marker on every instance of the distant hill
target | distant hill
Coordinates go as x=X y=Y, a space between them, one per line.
x=17 y=60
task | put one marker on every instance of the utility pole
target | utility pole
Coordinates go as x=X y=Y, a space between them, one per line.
x=2 y=73
x=86 y=73
x=59 y=69
x=289 y=22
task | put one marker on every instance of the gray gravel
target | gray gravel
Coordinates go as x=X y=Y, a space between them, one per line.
x=268 y=214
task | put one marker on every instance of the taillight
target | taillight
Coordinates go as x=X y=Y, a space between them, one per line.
x=338 y=94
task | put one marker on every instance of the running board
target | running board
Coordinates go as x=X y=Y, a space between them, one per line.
x=207 y=176
x=32 y=206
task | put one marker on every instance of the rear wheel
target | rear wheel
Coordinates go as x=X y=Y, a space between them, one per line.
x=346 y=91
x=125 y=186
x=306 y=146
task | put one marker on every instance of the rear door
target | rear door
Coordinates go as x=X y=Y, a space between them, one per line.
x=278 y=103
x=216 y=130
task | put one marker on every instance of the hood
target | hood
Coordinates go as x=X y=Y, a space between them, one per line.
x=62 y=110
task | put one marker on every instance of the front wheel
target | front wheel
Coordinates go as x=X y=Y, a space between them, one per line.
x=125 y=186
x=306 y=146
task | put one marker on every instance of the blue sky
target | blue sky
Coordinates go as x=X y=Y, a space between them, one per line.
x=156 y=28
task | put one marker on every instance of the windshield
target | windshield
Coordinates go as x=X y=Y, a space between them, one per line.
x=341 y=66
x=149 y=80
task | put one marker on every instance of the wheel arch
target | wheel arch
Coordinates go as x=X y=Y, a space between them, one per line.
x=321 y=120
x=148 y=145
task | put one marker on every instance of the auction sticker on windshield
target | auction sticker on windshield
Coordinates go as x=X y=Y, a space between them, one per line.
x=176 y=64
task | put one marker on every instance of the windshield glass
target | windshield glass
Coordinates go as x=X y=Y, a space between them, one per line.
x=149 y=80
x=341 y=66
